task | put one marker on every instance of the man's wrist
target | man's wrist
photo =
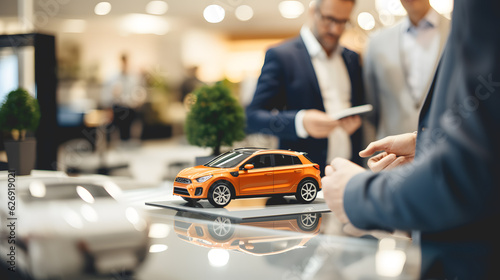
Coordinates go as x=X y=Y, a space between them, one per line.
x=299 y=124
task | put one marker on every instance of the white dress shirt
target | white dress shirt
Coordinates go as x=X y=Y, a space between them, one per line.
x=420 y=50
x=335 y=86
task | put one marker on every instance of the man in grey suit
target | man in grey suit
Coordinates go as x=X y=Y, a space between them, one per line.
x=398 y=66
x=450 y=191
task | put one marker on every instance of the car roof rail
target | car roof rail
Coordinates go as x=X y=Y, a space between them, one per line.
x=252 y=148
x=300 y=153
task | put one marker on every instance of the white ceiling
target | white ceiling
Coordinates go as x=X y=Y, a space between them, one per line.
x=267 y=20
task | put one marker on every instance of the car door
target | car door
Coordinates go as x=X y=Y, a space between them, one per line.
x=258 y=180
x=287 y=173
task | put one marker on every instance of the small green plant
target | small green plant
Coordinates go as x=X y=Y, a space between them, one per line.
x=215 y=118
x=19 y=113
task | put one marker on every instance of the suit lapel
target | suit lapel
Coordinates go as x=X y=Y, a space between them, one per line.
x=350 y=64
x=428 y=98
x=444 y=25
x=394 y=49
x=444 y=29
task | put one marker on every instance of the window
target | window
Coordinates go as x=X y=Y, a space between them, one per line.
x=296 y=160
x=282 y=160
x=261 y=161
x=227 y=160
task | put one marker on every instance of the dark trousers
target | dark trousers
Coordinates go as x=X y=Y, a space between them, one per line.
x=122 y=119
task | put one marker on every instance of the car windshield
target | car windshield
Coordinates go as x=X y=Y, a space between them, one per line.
x=227 y=160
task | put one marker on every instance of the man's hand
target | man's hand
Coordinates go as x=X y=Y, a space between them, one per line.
x=350 y=124
x=318 y=124
x=397 y=150
x=336 y=177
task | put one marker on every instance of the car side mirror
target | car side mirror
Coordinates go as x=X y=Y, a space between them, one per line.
x=248 y=166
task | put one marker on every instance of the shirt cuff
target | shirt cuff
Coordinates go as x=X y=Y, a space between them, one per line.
x=299 y=124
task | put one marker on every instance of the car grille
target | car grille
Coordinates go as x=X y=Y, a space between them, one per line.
x=183 y=180
x=181 y=191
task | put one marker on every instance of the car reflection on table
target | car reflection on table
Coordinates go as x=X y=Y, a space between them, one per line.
x=68 y=227
x=287 y=232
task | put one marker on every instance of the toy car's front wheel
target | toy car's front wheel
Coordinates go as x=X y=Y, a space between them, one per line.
x=307 y=191
x=219 y=195
x=221 y=228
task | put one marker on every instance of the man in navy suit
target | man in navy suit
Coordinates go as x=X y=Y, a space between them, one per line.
x=442 y=183
x=305 y=80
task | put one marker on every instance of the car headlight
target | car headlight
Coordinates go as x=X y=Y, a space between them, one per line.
x=203 y=179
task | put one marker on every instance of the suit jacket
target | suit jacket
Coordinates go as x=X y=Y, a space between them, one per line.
x=395 y=111
x=450 y=192
x=288 y=84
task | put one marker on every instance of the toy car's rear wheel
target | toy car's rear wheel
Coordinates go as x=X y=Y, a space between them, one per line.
x=309 y=221
x=219 y=195
x=307 y=191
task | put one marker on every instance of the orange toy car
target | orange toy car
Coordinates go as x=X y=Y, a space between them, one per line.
x=250 y=172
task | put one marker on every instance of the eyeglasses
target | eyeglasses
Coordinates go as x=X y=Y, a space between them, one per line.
x=330 y=21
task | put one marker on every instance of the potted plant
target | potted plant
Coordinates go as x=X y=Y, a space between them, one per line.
x=20 y=113
x=215 y=118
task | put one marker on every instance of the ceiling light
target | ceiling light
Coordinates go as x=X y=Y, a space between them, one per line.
x=102 y=8
x=244 y=12
x=157 y=7
x=366 y=21
x=145 y=24
x=291 y=9
x=214 y=13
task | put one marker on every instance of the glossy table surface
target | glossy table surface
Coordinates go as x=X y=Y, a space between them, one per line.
x=297 y=246
x=269 y=238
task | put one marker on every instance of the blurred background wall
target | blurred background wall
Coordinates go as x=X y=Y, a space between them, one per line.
x=167 y=42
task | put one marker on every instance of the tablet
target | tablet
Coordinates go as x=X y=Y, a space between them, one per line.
x=357 y=110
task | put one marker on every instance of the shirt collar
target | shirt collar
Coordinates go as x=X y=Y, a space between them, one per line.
x=430 y=20
x=313 y=46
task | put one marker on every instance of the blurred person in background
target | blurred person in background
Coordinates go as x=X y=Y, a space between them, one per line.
x=398 y=65
x=124 y=94
x=190 y=82
x=306 y=79
x=441 y=183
